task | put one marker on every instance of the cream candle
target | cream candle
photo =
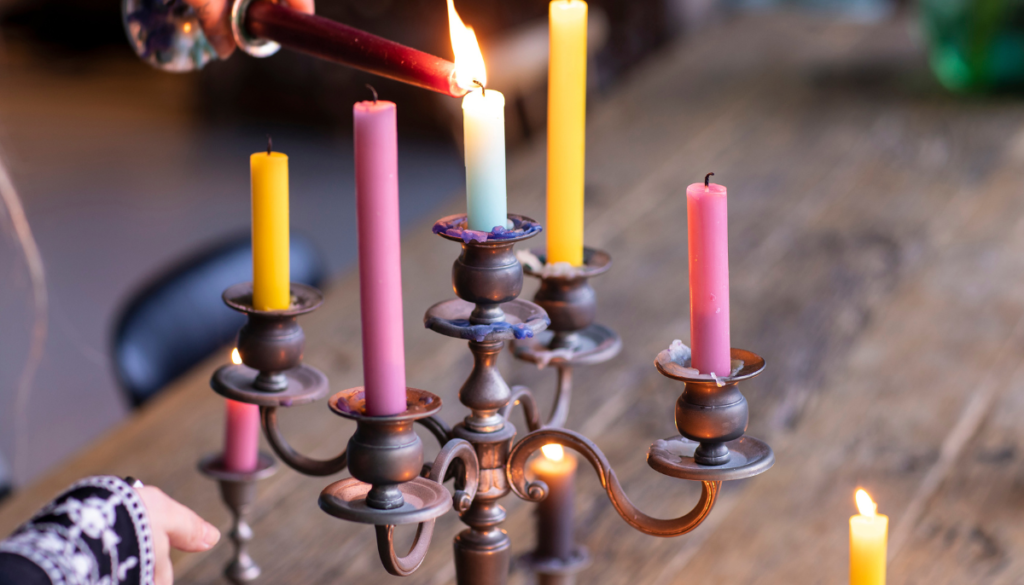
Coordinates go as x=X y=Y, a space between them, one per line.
x=708 y=235
x=868 y=542
x=380 y=256
x=483 y=117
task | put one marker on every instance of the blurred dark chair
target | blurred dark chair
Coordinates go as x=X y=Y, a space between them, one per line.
x=6 y=481
x=180 y=319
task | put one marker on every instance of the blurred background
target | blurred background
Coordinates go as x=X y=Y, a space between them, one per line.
x=128 y=174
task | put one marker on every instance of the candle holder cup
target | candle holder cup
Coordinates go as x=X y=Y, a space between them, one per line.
x=573 y=338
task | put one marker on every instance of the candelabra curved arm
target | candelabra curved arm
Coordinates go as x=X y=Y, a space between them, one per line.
x=437 y=427
x=559 y=411
x=537 y=490
x=466 y=483
x=291 y=457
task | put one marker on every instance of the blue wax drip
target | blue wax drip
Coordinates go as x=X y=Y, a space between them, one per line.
x=479 y=332
x=456 y=228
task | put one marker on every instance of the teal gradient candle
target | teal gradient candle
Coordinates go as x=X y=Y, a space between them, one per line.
x=484 y=125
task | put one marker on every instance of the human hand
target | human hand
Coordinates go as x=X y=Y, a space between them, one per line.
x=215 y=18
x=175 y=526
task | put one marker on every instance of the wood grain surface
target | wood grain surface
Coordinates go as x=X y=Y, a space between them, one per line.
x=877 y=229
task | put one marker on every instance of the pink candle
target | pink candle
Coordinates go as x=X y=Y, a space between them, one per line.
x=241 y=436
x=380 y=257
x=707 y=222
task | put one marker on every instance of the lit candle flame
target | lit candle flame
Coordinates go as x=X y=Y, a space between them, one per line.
x=553 y=451
x=236 y=358
x=469 y=62
x=865 y=504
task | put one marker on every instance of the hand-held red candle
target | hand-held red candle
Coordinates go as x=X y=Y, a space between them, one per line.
x=708 y=235
x=333 y=41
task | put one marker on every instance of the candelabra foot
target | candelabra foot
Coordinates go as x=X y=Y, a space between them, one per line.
x=553 y=570
x=238 y=490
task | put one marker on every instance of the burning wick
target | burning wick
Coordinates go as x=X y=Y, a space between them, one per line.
x=553 y=451
x=370 y=87
x=483 y=88
x=270 y=146
x=865 y=505
x=707 y=181
x=236 y=358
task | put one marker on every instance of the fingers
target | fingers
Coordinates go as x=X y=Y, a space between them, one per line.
x=301 y=5
x=215 y=18
x=184 y=529
x=187 y=531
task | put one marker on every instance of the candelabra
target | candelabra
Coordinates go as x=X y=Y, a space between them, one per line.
x=391 y=486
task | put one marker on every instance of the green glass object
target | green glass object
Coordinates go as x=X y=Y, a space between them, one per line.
x=975 y=45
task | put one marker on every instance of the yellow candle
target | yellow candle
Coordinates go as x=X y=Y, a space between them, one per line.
x=868 y=536
x=270 y=267
x=567 y=114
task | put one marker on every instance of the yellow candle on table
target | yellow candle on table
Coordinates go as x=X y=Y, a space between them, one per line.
x=270 y=267
x=567 y=115
x=868 y=541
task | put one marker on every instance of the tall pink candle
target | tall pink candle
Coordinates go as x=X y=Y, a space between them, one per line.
x=380 y=257
x=241 y=436
x=707 y=222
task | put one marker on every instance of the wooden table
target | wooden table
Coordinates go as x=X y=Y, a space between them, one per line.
x=877 y=263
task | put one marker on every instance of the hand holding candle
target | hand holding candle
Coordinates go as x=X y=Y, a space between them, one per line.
x=868 y=542
x=707 y=226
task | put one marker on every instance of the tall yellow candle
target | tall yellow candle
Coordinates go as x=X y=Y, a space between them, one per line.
x=868 y=541
x=270 y=268
x=567 y=114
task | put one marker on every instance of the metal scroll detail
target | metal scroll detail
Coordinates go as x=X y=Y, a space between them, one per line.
x=291 y=457
x=522 y=395
x=537 y=490
x=466 y=483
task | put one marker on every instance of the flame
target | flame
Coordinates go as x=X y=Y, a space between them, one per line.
x=187 y=27
x=553 y=451
x=865 y=504
x=236 y=358
x=469 y=62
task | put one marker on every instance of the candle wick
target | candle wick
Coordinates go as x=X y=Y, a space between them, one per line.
x=707 y=180
x=270 y=144
x=483 y=88
x=374 y=92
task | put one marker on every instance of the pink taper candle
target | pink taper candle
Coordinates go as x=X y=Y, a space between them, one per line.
x=241 y=436
x=380 y=257
x=707 y=224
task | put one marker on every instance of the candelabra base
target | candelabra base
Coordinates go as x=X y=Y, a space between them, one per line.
x=553 y=570
x=238 y=490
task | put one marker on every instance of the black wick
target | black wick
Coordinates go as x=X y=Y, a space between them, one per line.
x=374 y=92
x=707 y=179
x=270 y=144
x=483 y=88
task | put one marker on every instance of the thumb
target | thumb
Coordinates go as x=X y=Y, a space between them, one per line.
x=187 y=531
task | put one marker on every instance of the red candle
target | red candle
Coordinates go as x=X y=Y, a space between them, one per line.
x=707 y=222
x=241 y=433
x=380 y=257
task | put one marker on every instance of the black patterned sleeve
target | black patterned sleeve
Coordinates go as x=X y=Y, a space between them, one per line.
x=95 y=533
